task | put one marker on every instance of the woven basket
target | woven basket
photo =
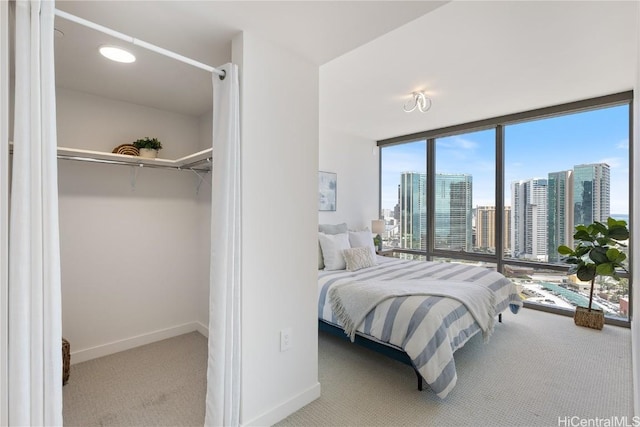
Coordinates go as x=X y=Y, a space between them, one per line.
x=66 y=360
x=127 y=149
x=593 y=319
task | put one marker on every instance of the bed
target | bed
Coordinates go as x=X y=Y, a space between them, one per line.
x=419 y=324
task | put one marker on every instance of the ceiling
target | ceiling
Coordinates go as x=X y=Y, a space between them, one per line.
x=202 y=30
x=482 y=59
x=475 y=59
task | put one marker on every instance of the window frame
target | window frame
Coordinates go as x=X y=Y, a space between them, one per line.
x=498 y=124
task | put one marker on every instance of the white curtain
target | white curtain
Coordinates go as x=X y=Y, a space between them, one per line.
x=34 y=353
x=223 y=374
x=4 y=208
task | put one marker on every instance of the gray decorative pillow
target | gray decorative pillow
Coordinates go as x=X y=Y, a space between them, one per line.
x=333 y=228
x=357 y=258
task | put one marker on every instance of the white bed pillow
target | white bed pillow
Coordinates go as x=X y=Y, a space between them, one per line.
x=360 y=239
x=358 y=258
x=329 y=229
x=332 y=246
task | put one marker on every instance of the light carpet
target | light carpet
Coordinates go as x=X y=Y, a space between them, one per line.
x=537 y=370
x=160 y=384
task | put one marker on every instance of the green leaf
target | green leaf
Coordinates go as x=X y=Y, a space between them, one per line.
x=582 y=251
x=598 y=227
x=620 y=258
x=605 y=269
x=613 y=254
x=565 y=250
x=583 y=234
x=619 y=232
x=611 y=222
x=586 y=272
x=599 y=255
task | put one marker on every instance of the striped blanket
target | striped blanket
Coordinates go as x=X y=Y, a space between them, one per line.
x=428 y=328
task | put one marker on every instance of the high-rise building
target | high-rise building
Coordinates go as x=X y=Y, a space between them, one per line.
x=387 y=214
x=453 y=212
x=591 y=193
x=529 y=219
x=413 y=210
x=396 y=208
x=560 y=215
x=506 y=219
x=486 y=229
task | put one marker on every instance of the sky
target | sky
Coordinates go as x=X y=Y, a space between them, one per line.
x=532 y=150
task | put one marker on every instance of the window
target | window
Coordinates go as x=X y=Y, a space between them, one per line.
x=465 y=192
x=508 y=191
x=403 y=194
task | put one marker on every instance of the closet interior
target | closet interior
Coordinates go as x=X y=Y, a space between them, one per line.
x=134 y=232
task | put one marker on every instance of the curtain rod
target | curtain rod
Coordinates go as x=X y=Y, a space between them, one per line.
x=140 y=43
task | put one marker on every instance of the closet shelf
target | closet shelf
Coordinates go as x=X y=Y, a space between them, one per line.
x=200 y=161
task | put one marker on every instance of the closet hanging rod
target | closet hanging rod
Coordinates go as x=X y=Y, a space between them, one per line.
x=138 y=42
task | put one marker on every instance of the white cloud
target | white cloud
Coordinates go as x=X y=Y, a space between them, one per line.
x=457 y=143
x=623 y=144
x=613 y=162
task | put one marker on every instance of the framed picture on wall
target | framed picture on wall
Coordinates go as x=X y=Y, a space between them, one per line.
x=327 y=183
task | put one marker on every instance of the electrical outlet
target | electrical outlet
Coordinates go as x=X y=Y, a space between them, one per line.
x=285 y=339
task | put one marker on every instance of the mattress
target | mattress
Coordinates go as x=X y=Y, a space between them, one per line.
x=428 y=328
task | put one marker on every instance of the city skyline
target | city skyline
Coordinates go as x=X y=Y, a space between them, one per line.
x=532 y=150
x=541 y=217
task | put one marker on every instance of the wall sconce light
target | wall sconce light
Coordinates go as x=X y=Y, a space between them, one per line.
x=420 y=101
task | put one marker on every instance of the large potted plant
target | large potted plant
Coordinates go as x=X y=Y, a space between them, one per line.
x=596 y=252
x=148 y=147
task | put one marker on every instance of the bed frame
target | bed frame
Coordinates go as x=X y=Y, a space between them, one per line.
x=371 y=343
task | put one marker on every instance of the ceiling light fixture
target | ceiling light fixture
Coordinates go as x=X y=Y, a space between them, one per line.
x=420 y=101
x=117 y=54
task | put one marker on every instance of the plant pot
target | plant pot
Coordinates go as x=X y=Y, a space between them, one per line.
x=148 y=153
x=593 y=319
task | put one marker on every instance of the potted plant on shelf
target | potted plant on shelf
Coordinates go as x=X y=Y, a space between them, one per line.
x=148 y=147
x=596 y=253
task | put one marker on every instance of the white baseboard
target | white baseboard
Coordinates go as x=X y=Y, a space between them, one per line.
x=132 y=342
x=204 y=330
x=281 y=412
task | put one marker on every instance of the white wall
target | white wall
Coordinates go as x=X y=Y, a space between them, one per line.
x=131 y=238
x=279 y=102
x=95 y=123
x=206 y=130
x=355 y=160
